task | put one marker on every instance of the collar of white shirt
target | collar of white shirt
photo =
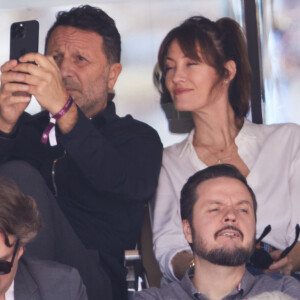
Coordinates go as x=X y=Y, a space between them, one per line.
x=9 y=295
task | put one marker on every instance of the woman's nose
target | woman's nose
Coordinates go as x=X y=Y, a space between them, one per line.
x=179 y=75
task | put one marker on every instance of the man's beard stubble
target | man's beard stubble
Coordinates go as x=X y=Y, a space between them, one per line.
x=225 y=257
x=222 y=256
x=91 y=88
x=86 y=102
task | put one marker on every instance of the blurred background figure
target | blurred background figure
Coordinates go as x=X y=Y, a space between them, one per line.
x=24 y=278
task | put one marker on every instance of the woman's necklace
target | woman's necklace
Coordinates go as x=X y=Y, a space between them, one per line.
x=212 y=155
x=215 y=156
x=222 y=160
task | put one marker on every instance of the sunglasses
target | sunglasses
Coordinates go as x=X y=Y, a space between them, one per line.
x=5 y=266
x=261 y=259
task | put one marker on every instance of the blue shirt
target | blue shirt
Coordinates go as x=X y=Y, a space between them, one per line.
x=249 y=286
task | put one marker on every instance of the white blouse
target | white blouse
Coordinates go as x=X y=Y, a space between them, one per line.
x=272 y=154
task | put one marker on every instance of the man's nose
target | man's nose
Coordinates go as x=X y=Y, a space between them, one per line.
x=230 y=215
x=65 y=66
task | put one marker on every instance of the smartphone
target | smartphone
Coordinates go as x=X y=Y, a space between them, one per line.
x=24 y=38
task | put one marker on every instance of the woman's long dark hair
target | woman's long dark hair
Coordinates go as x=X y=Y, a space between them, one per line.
x=219 y=42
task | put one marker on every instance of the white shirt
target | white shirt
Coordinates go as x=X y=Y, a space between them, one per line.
x=9 y=295
x=272 y=154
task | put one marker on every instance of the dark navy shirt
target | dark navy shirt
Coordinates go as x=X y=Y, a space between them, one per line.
x=102 y=172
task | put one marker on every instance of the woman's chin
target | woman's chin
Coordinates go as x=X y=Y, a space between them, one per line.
x=182 y=107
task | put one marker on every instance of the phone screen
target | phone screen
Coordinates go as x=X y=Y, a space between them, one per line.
x=24 y=38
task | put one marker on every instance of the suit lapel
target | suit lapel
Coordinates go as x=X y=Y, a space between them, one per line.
x=25 y=286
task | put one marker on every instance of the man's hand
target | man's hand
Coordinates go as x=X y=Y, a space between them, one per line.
x=45 y=82
x=14 y=96
x=286 y=265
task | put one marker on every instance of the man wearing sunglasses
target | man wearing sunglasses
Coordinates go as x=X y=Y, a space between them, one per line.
x=22 y=278
x=218 y=210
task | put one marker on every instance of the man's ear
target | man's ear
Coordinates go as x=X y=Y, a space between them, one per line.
x=20 y=252
x=230 y=66
x=114 y=72
x=187 y=231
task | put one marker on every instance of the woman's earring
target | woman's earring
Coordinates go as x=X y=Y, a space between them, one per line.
x=226 y=81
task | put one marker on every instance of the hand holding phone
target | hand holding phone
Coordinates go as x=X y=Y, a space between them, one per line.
x=14 y=98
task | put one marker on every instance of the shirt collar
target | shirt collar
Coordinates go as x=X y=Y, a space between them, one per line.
x=247 y=282
x=186 y=282
x=187 y=143
x=105 y=116
x=108 y=113
x=9 y=295
x=246 y=130
x=243 y=288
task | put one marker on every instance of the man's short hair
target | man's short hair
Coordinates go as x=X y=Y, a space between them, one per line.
x=189 y=194
x=19 y=216
x=92 y=19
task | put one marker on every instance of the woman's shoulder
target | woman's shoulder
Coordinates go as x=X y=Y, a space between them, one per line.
x=175 y=148
x=177 y=152
x=280 y=129
x=179 y=147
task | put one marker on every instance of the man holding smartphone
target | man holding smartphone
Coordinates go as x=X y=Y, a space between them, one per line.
x=101 y=168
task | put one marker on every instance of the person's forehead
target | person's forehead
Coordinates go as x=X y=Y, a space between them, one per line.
x=69 y=34
x=221 y=188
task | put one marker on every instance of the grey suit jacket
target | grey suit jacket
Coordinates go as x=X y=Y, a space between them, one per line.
x=47 y=280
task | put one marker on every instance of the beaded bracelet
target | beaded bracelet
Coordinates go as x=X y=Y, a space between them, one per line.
x=53 y=119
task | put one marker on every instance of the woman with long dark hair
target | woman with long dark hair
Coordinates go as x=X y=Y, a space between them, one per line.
x=204 y=69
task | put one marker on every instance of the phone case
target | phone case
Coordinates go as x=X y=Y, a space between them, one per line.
x=24 y=38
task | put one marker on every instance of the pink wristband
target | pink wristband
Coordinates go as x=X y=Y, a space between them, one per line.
x=53 y=119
